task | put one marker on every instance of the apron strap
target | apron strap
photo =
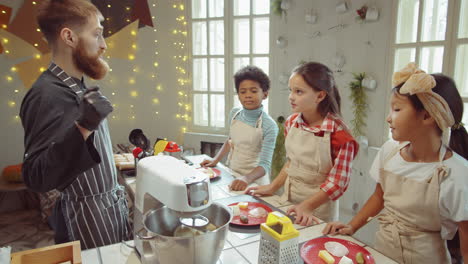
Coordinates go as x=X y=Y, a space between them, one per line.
x=394 y=151
x=259 y=122
x=64 y=77
x=442 y=171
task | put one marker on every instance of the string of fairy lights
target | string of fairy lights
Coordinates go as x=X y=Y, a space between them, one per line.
x=179 y=32
x=180 y=61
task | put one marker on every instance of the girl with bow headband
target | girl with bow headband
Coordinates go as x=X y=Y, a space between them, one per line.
x=421 y=174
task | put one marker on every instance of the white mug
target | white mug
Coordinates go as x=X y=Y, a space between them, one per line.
x=311 y=19
x=372 y=14
x=341 y=7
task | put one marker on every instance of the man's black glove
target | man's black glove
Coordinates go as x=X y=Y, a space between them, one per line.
x=94 y=108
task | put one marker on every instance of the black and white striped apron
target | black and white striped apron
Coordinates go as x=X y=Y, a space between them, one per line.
x=94 y=205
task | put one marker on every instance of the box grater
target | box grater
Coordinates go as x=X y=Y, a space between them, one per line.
x=279 y=241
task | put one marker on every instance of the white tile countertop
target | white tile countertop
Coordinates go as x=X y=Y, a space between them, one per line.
x=238 y=248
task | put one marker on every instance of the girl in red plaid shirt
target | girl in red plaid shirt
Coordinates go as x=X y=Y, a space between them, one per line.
x=319 y=148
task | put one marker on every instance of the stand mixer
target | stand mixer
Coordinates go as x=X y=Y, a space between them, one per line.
x=168 y=193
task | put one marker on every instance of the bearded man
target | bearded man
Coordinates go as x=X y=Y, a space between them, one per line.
x=67 y=142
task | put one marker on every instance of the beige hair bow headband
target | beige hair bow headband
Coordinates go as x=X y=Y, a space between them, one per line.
x=418 y=82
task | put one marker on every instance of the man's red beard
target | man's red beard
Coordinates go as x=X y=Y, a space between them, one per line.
x=93 y=66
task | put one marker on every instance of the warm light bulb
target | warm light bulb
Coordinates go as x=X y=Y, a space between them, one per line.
x=156 y=64
x=181 y=93
x=159 y=88
x=41 y=69
x=134 y=93
x=134 y=46
x=133 y=32
x=131 y=56
x=9 y=78
x=13 y=69
x=38 y=56
x=131 y=81
x=34 y=2
x=155 y=100
x=38 y=29
x=181 y=7
x=174 y=31
x=5 y=40
x=131 y=106
x=35 y=44
x=11 y=103
x=16 y=91
x=109 y=6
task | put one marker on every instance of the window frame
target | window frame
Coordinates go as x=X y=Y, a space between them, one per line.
x=450 y=44
x=228 y=56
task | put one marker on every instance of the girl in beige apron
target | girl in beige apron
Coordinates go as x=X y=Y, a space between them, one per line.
x=410 y=226
x=308 y=169
x=245 y=146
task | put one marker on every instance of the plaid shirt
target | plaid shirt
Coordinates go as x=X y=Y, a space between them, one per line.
x=343 y=150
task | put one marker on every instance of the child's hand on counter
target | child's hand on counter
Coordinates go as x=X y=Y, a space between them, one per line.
x=262 y=190
x=238 y=184
x=303 y=215
x=208 y=163
x=338 y=228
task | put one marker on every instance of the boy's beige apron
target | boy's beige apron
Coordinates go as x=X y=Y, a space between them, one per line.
x=410 y=226
x=310 y=163
x=246 y=144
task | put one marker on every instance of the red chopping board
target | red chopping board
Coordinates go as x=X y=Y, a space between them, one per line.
x=310 y=250
x=253 y=221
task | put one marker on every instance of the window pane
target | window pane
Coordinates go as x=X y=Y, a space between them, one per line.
x=465 y=114
x=200 y=73
x=265 y=105
x=217 y=110
x=262 y=63
x=241 y=36
x=241 y=7
x=240 y=62
x=216 y=8
x=217 y=75
x=261 y=7
x=432 y=59
x=434 y=20
x=403 y=57
x=217 y=37
x=407 y=23
x=261 y=35
x=463 y=26
x=200 y=109
x=199 y=38
x=461 y=68
x=198 y=8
